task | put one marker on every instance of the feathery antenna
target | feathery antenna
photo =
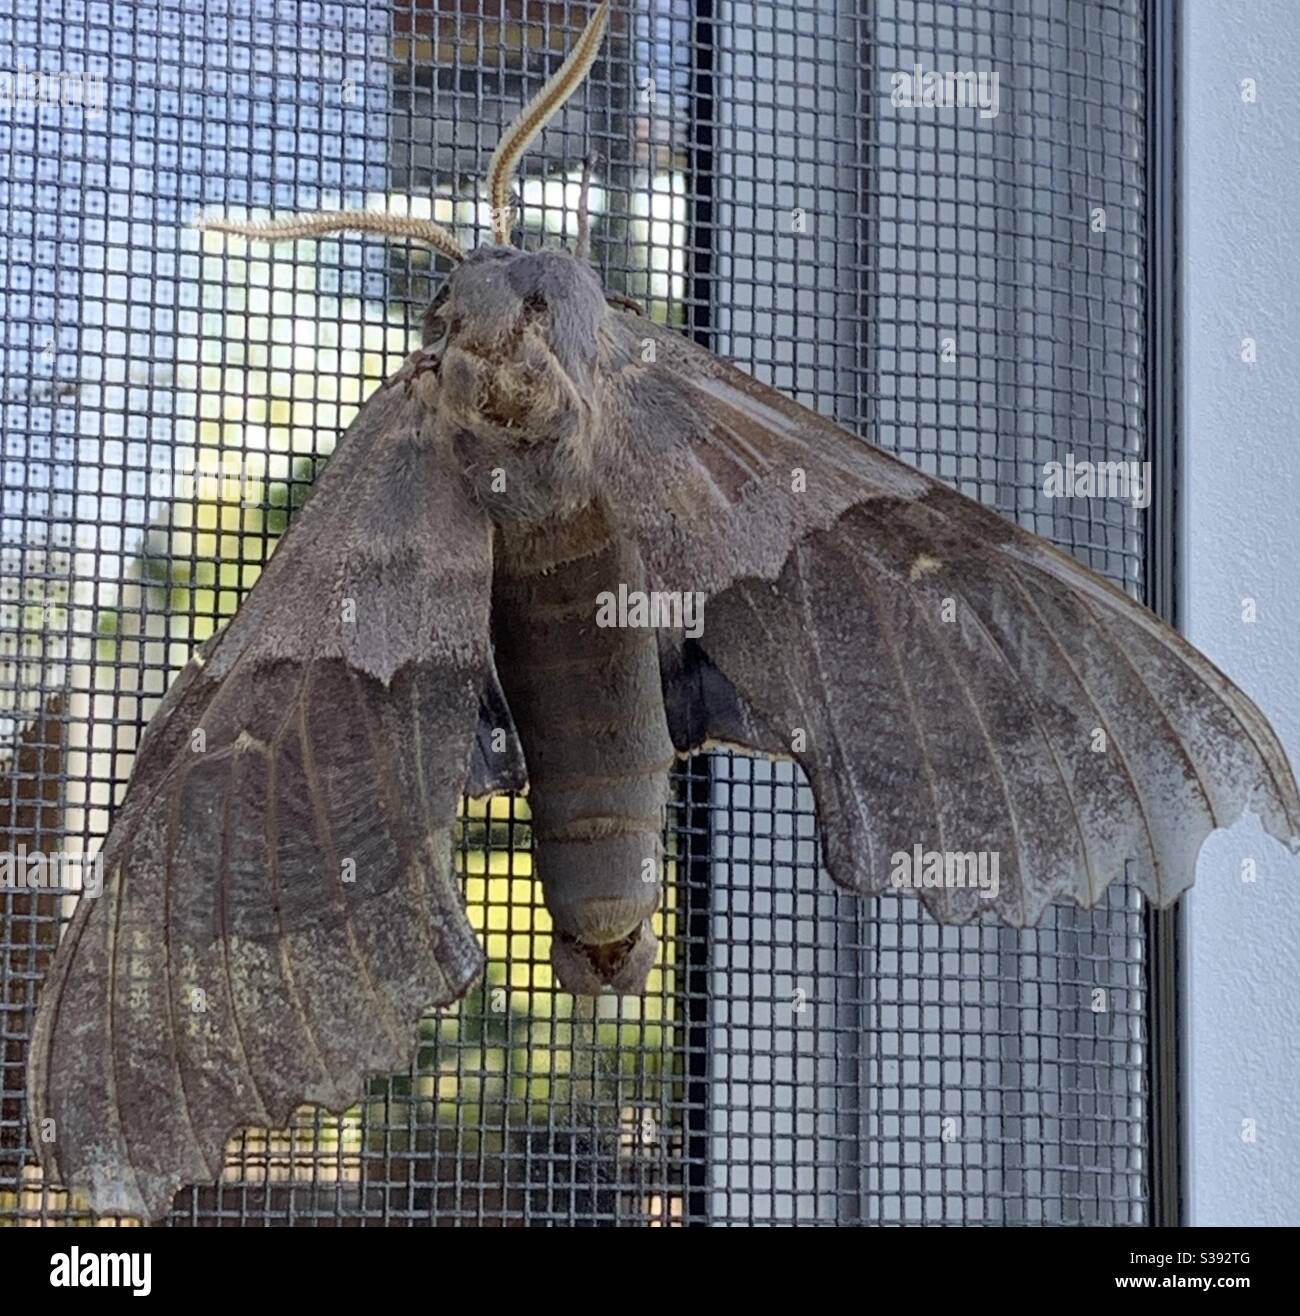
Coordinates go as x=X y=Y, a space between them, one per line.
x=338 y=221
x=534 y=117
x=583 y=248
x=501 y=171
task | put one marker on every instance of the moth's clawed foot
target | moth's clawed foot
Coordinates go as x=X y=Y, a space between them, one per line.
x=621 y=303
x=586 y=970
x=423 y=362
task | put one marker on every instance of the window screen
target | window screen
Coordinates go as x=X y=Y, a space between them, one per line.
x=965 y=288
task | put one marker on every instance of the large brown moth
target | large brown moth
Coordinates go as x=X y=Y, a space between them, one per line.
x=948 y=682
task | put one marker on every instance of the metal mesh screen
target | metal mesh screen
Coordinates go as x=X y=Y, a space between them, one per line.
x=966 y=289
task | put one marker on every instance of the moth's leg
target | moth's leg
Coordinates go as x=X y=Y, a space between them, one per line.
x=624 y=303
x=423 y=361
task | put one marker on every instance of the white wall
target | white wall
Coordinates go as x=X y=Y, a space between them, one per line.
x=1241 y=539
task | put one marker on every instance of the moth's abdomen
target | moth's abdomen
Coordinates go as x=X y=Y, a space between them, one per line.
x=587 y=703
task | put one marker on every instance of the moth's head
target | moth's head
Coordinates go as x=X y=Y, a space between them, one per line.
x=517 y=333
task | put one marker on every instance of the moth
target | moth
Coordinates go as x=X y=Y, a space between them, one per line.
x=435 y=621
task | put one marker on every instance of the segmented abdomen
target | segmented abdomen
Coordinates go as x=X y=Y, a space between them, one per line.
x=587 y=703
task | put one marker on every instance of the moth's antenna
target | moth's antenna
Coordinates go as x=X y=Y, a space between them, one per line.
x=534 y=117
x=337 y=221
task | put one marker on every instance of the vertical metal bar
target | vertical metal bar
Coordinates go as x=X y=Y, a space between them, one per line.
x=698 y=912
x=1166 y=1127
x=860 y=1182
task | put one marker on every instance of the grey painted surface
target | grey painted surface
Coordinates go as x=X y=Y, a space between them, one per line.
x=1242 y=541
